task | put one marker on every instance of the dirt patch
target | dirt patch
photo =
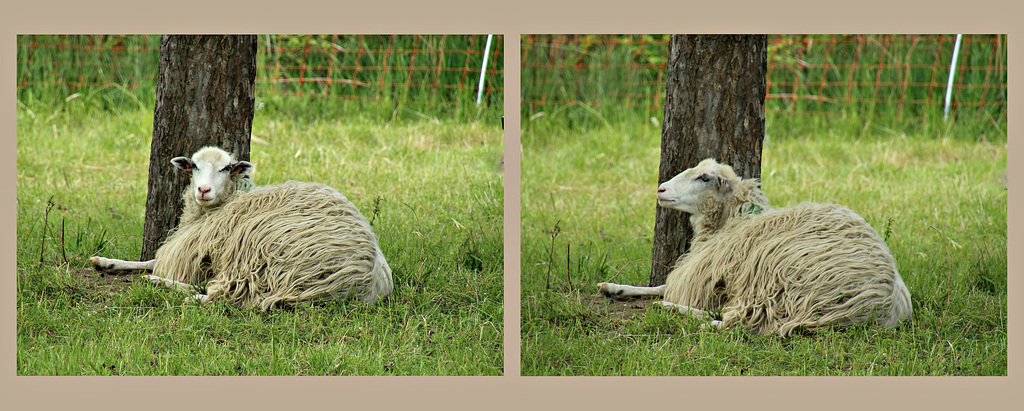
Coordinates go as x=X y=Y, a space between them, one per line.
x=624 y=310
x=104 y=284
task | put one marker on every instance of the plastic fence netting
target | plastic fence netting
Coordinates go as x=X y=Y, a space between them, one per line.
x=408 y=69
x=902 y=77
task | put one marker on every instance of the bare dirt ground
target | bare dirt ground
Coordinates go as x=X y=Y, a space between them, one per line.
x=624 y=310
x=104 y=284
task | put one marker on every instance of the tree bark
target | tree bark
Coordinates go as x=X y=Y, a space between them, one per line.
x=714 y=108
x=204 y=97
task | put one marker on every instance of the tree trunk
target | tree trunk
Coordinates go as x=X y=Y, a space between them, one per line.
x=714 y=108
x=204 y=96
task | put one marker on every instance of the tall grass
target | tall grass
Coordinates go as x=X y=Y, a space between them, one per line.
x=118 y=71
x=591 y=80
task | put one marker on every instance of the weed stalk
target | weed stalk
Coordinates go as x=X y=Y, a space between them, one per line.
x=46 y=219
x=568 y=277
x=63 y=250
x=551 y=255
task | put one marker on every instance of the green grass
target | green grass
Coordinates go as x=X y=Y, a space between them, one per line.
x=939 y=199
x=431 y=186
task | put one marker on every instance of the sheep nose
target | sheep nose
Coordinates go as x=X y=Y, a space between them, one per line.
x=204 y=190
x=661 y=189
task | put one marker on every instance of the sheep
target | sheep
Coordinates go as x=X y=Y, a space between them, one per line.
x=773 y=271
x=257 y=247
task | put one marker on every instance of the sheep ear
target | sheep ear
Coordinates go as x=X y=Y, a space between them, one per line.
x=241 y=167
x=724 y=185
x=183 y=163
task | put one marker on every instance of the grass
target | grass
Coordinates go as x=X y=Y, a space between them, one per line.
x=588 y=216
x=431 y=186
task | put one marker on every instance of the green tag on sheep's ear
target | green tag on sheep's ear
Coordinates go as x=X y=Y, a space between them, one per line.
x=752 y=209
x=245 y=184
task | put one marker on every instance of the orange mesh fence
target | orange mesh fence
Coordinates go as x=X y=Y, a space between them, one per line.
x=589 y=69
x=874 y=76
x=411 y=69
x=71 y=62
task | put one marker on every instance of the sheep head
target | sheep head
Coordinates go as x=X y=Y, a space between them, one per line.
x=695 y=189
x=215 y=175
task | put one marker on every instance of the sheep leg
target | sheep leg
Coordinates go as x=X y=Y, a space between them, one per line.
x=114 y=266
x=716 y=324
x=178 y=285
x=622 y=291
x=693 y=312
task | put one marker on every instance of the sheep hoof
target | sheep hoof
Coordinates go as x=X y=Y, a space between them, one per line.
x=102 y=265
x=610 y=290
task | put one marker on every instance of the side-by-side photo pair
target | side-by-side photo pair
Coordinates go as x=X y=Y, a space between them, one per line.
x=688 y=205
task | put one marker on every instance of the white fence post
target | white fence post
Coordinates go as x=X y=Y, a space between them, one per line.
x=483 y=71
x=952 y=71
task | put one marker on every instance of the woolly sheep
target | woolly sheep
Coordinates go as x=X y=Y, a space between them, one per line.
x=773 y=271
x=263 y=246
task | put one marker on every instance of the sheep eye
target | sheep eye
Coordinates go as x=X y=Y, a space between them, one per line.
x=704 y=178
x=225 y=169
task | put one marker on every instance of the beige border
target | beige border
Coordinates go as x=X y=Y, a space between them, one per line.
x=512 y=227
x=510 y=18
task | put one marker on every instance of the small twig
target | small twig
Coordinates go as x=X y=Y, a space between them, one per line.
x=376 y=209
x=568 y=277
x=424 y=116
x=394 y=113
x=551 y=254
x=63 y=250
x=635 y=261
x=103 y=247
x=46 y=220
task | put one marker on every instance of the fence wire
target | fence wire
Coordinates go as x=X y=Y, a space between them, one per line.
x=411 y=69
x=872 y=76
